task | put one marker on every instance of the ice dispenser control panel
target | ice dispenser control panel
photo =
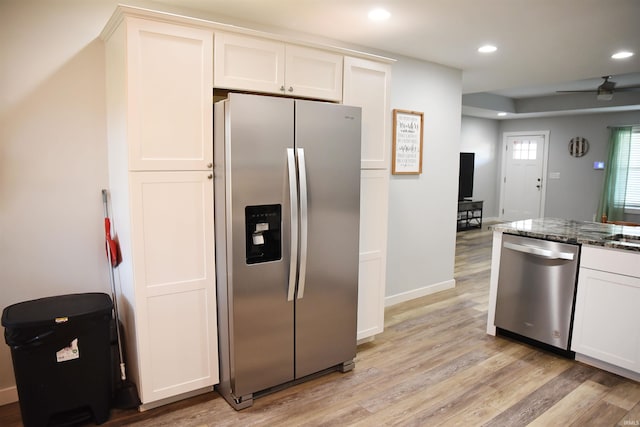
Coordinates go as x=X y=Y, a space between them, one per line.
x=263 y=233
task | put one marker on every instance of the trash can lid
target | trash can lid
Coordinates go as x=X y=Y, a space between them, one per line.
x=56 y=309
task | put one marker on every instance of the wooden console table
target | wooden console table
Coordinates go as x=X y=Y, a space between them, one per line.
x=469 y=214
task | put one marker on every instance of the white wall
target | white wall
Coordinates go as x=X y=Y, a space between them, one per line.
x=576 y=193
x=481 y=136
x=52 y=153
x=53 y=161
x=422 y=208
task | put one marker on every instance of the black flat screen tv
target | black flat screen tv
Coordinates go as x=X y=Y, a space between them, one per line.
x=465 y=180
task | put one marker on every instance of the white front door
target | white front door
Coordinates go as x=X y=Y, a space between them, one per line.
x=523 y=166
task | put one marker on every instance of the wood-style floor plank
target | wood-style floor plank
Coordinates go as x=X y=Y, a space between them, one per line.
x=434 y=365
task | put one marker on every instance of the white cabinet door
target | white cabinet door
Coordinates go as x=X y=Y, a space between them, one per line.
x=313 y=73
x=367 y=84
x=606 y=318
x=248 y=63
x=169 y=84
x=263 y=65
x=174 y=276
x=374 y=189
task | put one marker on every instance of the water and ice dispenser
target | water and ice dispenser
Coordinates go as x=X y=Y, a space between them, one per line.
x=263 y=233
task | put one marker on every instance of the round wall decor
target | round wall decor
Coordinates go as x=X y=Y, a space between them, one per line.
x=578 y=146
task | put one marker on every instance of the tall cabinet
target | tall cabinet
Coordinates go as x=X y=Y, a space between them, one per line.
x=367 y=85
x=160 y=149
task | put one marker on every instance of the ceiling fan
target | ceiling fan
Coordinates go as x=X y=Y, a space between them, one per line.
x=606 y=89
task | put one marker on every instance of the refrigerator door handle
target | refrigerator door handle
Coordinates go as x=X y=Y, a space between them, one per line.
x=293 y=203
x=302 y=177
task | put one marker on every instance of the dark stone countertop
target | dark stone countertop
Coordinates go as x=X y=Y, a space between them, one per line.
x=571 y=231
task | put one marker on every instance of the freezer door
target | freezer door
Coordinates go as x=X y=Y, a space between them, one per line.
x=259 y=132
x=328 y=138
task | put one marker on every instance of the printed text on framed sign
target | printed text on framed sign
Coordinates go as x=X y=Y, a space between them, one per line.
x=407 y=142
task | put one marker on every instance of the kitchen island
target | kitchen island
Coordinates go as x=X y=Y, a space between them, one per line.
x=606 y=325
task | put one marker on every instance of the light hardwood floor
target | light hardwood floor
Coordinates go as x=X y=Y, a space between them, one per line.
x=433 y=365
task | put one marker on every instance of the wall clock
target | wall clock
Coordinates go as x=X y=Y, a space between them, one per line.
x=578 y=146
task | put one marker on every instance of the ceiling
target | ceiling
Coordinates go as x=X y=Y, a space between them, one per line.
x=543 y=45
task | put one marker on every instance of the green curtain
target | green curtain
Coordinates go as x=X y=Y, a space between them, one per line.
x=616 y=172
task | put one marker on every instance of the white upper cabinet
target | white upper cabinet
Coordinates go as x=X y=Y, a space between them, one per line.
x=169 y=84
x=248 y=63
x=313 y=73
x=263 y=65
x=367 y=84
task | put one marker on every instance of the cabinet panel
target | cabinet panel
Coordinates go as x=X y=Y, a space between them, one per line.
x=313 y=73
x=373 y=251
x=607 y=318
x=248 y=63
x=367 y=85
x=180 y=360
x=169 y=96
x=172 y=213
x=262 y=65
x=174 y=276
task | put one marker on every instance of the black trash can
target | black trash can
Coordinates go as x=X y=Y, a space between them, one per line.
x=60 y=347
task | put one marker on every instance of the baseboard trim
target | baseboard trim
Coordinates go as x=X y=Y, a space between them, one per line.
x=420 y=292
x=8 y=395
x=608 y=367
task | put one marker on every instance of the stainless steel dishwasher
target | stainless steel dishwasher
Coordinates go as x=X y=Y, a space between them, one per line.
x=536 y=288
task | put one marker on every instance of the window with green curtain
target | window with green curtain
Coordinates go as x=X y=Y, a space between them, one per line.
x=613 y=199
x=632 y=197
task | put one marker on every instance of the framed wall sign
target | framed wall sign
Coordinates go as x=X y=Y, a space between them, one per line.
x=407 y=142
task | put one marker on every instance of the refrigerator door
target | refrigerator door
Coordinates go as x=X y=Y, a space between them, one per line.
x=328 y=147
x=259 y=131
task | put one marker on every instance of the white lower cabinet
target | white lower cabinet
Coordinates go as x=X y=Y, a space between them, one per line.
x=168 y=280
x=607 y=311
x=374 y=190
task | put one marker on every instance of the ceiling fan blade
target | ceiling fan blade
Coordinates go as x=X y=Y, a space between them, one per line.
x=628 y=89
x=577 y=91
x=606 y=89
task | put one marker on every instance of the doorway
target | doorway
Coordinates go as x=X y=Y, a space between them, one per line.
x=524 y=167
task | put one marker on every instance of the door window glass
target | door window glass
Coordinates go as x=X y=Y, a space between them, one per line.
x=524 y=150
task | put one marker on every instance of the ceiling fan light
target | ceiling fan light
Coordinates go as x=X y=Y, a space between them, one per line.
x=605 y=96
x=622 y=55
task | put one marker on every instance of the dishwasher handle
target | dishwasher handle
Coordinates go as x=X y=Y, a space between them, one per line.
x=538 y=251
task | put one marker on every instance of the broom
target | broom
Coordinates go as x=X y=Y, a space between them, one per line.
x=126 y=394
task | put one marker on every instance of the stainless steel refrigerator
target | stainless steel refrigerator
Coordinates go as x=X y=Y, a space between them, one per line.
x=287 y=201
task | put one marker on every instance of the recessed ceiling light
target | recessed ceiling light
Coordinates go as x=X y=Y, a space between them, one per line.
x=622 y=54
x=502 y=114
x=379 y=14
x=488 y=48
